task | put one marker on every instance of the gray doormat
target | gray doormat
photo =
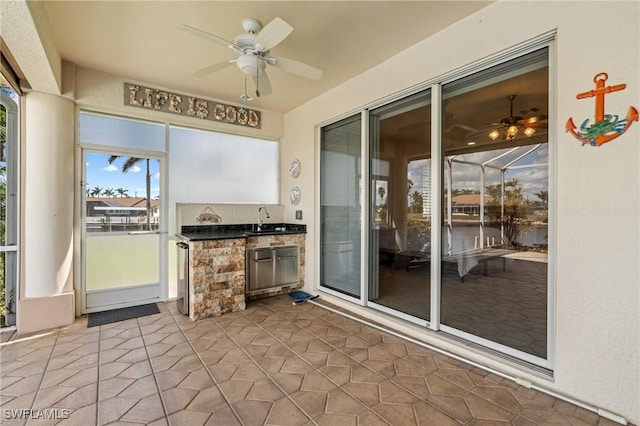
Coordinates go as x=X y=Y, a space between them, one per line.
x=116 y=315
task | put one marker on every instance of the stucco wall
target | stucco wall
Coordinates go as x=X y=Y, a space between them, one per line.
x=597 y=203
x=102 y=92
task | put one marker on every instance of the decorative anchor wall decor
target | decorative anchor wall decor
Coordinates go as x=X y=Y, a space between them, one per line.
x=606 y=127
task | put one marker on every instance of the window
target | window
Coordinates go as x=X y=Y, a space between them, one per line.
x=9 y=144
x=213 y=167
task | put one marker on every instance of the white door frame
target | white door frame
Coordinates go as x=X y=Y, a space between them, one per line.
x=134 y=295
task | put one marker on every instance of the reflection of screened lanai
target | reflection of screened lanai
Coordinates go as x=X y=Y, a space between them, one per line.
x=493 y=169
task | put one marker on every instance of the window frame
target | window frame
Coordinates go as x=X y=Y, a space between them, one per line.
x=11 y=249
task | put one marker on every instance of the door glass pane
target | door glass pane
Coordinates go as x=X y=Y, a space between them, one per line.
x=340 y=209
x=400 y=208
x=122 y=215
x=494 y=253
x=116 y=261
x=122 y=193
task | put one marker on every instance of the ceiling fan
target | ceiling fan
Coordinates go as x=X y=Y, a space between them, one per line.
x=252 y=53
x=511 y=125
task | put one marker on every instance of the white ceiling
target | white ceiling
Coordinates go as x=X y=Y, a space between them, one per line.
x=139 y=40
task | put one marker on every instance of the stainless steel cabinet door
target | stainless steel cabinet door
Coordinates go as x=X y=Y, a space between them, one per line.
x=286 y=265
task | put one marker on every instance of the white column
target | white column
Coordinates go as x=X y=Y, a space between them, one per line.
x=47 y=227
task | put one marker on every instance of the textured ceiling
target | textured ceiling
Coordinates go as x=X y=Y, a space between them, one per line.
x=139 y=40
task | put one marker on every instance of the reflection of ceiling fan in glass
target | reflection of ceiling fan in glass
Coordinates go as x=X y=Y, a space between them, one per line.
x=512 y=125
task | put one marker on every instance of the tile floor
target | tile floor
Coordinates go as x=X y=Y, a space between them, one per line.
x=273 y=363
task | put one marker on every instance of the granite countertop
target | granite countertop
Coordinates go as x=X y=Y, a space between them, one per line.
x=225 y=232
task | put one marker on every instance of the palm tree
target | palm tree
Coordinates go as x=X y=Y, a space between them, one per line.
x=126 y=166
x=95 y=191
x=544 y=197
x=122 y=192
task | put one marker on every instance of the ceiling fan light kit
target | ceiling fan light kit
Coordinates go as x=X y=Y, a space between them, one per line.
x=250 y=65
x=511 y=125
x=252 y=53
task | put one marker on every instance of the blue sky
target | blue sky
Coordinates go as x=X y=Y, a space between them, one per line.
x=100 y=173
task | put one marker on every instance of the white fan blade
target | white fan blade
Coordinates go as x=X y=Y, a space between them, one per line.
x=263 y=84
x=272 y=34
x=295 y=67
x=212 y=68
x=208 y=36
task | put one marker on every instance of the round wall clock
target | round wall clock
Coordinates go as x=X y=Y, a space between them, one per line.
x=294 y=195
x=294 y=168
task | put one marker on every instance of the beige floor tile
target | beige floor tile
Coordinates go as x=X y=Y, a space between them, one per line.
x=110 y=410
x=396 y=414
x=146 y=411
x=191 y=418
x=79 y=398
x=285 y=412
x=312 y=403
x=252 y=412
x=265 y=390
x=272 y=364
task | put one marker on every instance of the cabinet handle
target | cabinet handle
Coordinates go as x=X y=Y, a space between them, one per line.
x=262 y=260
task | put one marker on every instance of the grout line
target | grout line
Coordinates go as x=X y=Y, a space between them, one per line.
x=153 y=373
x=99 y=364
x=204 y=365
x=44 y=371
x=382 y=375
x=507 y=377
x=316 y=369
x=266 y=373
x=467 y=391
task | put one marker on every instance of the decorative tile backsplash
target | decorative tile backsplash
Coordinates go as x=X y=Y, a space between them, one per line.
x=227 y=214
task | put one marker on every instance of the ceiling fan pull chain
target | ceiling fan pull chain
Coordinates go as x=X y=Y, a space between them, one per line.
x=257 y=76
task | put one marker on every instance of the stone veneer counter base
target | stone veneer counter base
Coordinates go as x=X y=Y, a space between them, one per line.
x=217 y=277
x=217 y=265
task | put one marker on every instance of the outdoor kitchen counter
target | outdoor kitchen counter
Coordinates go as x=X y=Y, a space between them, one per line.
x=225 y=232
x=217 y=264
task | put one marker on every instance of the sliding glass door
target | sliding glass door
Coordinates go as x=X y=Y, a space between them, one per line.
x=472 y=259
x=494 y=259
x=340 y=206
x=400 y=206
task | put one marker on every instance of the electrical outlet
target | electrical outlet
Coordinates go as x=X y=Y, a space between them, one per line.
x=299 y=214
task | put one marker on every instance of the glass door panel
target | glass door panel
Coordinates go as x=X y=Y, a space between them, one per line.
x=494 y=258
x=400 y=182
x=340 y=208
x=121 y=249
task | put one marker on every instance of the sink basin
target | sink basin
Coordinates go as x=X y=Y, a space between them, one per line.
x=271 y=230
x=265 y=231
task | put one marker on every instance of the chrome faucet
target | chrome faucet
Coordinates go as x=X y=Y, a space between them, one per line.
x=259 y=219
